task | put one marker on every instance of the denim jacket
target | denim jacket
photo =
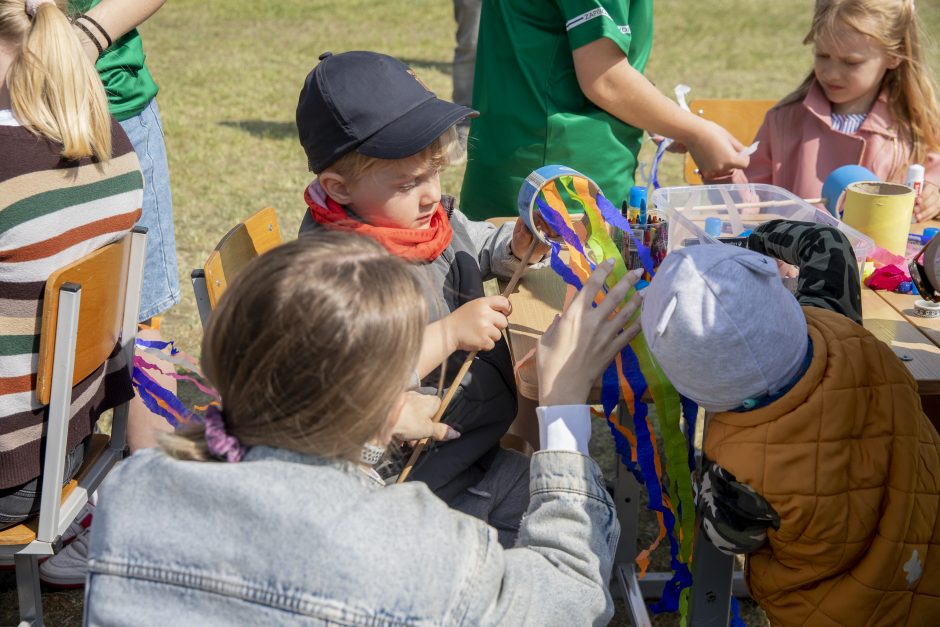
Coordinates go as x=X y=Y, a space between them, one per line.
x=285 y=538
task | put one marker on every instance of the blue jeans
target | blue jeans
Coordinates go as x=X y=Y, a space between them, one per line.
x=19 y=503
x=161 y=288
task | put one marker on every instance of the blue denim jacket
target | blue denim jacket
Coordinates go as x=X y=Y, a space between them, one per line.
x=284 y=538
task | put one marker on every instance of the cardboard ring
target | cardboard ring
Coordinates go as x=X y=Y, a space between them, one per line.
x=531 y=187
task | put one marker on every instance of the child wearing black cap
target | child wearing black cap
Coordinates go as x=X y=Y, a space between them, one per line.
x=377 y=139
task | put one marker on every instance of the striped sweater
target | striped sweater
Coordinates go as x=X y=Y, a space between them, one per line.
x=52 y=212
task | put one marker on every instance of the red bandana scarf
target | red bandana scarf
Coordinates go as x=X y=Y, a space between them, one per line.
x=412 y=244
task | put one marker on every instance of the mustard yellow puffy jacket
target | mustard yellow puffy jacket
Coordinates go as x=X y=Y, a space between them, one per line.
x=852 y=465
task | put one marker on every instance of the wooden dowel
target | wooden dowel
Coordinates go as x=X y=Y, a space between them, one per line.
x=758 y=205
x=465 y=367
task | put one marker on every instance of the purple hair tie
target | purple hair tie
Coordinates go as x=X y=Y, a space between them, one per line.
x=220 y=443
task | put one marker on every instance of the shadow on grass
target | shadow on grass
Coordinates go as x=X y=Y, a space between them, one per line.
x=264 y=129
x=445 y=67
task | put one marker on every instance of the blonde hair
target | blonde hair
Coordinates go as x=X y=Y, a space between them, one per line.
x=354 y=165
x=310 y=347
x=54 y=88
x=910 y=90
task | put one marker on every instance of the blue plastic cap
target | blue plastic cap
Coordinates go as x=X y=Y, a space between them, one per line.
x=713 y=226
x=637 y=196
x=928 y=235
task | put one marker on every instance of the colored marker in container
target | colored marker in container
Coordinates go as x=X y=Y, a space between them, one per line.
x=638 y=204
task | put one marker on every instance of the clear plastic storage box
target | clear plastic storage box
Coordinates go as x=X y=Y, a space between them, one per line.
x=740 y=208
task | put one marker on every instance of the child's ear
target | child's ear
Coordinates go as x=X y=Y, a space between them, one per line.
x=335 y=186
x=894 y=62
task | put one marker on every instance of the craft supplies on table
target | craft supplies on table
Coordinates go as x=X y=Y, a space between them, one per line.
x=915 y=178
x=839 y=179
x=741 y=208
x=881 y=211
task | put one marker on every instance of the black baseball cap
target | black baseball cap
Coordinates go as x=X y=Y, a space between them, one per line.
x=372 y=103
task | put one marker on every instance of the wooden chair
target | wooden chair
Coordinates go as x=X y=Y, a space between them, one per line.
x=742 y=118
x=246 y=240
x=90 y=306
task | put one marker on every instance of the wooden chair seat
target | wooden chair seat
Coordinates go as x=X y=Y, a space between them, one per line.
x=254 y=236
x=742 y=118
x=25 y=532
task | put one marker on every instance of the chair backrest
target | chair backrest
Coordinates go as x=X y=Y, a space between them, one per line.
x=107 y=294
x=257 y=234
x=742 y=118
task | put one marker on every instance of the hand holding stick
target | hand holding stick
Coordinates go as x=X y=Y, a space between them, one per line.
x=465 y=367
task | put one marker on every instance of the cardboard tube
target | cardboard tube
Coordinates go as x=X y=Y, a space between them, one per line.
x=882 y=211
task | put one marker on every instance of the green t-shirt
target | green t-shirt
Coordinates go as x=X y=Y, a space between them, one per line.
x=532 y=111
x=122 y=70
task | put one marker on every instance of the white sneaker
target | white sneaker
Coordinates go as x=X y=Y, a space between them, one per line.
x=81 y=522
x=68 y=567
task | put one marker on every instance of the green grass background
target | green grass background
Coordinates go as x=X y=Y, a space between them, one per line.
x=230 y=71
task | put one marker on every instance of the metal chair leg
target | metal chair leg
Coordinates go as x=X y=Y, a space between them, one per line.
x=28 y=590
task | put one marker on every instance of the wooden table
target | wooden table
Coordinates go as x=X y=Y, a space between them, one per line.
x=883 y=315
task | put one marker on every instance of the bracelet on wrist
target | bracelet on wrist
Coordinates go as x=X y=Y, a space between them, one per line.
x=79 y=21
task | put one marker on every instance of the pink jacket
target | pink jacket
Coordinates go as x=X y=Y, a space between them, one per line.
x=799 y=148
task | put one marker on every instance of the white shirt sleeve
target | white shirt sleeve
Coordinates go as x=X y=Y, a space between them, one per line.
x=564 y=428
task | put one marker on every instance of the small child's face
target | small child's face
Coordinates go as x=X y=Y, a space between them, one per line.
x=403 y=194
x=849 y=68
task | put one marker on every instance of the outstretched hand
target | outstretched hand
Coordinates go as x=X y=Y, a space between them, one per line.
x=579 y=344
x=716 y=151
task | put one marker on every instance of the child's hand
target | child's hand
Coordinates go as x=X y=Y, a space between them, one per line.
x=927 y=205
x=414 y=419
x=522 y=238
x=716 y=151
x=580 y=343
x=478 y=325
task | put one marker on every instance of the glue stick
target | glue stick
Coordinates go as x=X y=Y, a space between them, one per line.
x=915 y=178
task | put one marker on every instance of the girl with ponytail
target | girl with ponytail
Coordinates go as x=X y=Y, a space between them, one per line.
x=869 y=100
x=70 y=183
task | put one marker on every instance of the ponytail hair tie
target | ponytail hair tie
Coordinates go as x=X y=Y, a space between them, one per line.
x=220 y=443
x=33 y=5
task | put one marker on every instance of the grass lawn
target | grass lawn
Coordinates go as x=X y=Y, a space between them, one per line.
x=230 y=72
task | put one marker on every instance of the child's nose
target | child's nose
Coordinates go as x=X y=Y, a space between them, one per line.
x=431 y=192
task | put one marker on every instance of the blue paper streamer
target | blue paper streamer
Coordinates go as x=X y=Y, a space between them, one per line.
x=736 y=620
x=682 y=577
x=149 y=391
x=567 y=275
x=690 y=413
x=610 y=396
x=558 y=224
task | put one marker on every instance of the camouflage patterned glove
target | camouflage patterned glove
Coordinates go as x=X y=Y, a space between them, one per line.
x=734 y=516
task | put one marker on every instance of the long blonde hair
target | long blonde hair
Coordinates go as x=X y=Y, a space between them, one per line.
x=310 y=347
x=54 y=88
x=910 y=90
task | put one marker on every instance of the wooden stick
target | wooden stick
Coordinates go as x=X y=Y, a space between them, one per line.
x=765 y=203
x=465 y=367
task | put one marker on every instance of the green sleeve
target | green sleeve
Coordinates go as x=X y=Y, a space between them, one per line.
x=589 y=20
